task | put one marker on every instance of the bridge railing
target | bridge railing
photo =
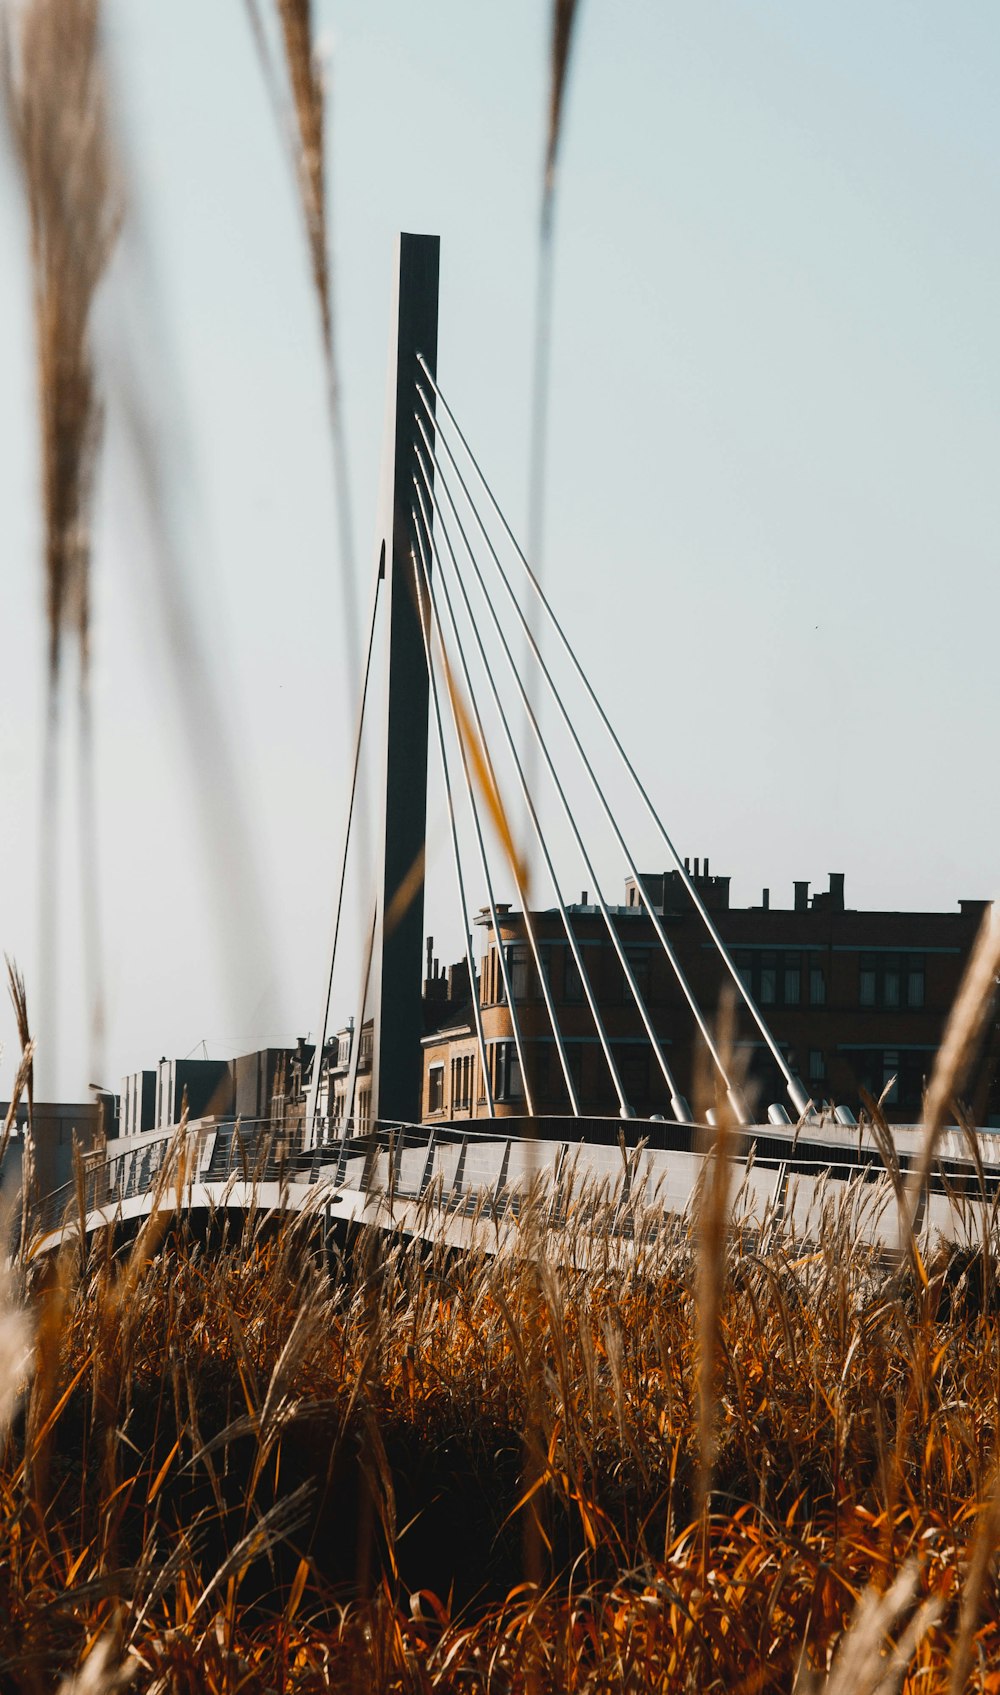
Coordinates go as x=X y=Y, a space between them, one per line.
x=211 y=1150
x=384 y=1157
x=464 y=1166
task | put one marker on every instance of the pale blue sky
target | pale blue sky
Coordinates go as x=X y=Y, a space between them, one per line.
x=773 y=505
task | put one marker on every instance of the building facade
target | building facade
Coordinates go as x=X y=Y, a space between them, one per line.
x=59 y=1131
x=855 y=1000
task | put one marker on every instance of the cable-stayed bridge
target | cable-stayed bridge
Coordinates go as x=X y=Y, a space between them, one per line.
x=596 y=1195
x=529 y=764
x=483 y=685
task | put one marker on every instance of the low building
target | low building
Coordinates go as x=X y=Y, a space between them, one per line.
x=338 y=1076
x=206 y=1086
x=264 y=1084
x=57 y=1128
x=137 y=1103
x=855 y=1000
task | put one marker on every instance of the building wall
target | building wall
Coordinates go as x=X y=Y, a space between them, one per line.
x=852 y=998
x=55 y=1127
x=208 y=1084
x=261 y=1080
x=137 y=1111
x=339 y=1072
x=453 y=1078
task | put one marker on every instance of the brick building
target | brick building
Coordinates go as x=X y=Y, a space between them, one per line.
x=854 y=1000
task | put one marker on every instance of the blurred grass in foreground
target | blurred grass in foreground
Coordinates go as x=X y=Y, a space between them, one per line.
x=255 y=1463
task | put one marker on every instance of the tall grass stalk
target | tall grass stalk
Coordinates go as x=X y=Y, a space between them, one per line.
x=974 y=1004
x=302 y=122
x=55 y=97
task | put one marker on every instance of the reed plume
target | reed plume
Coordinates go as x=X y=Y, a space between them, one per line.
x=308 y=98
x=563 y=17
x=19 y=1002
x=56 y=99
x=16 y=1327
x=16 y=1351
x=303 y=124
x=303 y=127
x=712 y=1228
x=974 y=1005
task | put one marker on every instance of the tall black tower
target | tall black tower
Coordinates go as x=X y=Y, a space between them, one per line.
x=397 y=961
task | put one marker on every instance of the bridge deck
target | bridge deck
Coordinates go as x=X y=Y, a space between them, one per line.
x=466 y=1187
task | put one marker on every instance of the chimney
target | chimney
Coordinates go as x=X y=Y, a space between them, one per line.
x=696 y=865
x=765 y=898
x=837 y=891
x=802 y=897
x=687 y=863
x=583 y=897
x=706 y=865
x=430 y=953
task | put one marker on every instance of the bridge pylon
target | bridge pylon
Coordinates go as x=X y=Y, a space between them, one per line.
x=397 y=958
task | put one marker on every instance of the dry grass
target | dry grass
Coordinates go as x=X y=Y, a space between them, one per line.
x=56 y=101
x=563 y=17
x=54 y=92
x=255 y=1463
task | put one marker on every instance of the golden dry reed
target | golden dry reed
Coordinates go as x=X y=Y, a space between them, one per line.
x=251 y=1454
x=56 y=102
x=55 y=97
x=563 y=17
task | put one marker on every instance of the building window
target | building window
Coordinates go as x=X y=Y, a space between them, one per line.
x=911 y=1078
x=533 y=989
x=515 y=1085
x=572 y=981
x=517 y=962
x=461 y=1083
x=890 y=981
x=508 y=1073
x=614 y=990
x=638 y=964
x=744 y=967
x=435 y=1088
x=890 y=1075
x=817 y=986
x=538 y=1058
x=768 y=979
x=574 y=1062
x=793 y=979
x=633 y=1069
x=492 y=982
x=867 y=984
x=817 y=1066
